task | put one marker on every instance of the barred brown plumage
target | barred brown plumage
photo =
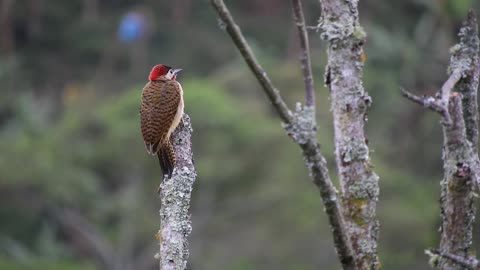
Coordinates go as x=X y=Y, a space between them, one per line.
x=161 y=110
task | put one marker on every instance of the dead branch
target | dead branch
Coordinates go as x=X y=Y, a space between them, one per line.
x=175 y=193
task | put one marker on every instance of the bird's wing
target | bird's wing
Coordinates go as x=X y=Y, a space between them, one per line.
x=160 y=103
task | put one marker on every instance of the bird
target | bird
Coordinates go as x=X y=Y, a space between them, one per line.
x=161 y=111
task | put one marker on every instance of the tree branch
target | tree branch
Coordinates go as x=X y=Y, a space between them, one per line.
x=439 y=105
x=448 y=86
x=252 y=62
x=467 y=262
x=460 y=158
x=305 y=57
x=341 y=28
x=301 y=127
x=175 y=193
x=427 y=102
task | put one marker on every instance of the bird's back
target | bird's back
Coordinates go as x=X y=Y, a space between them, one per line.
x=159 y=108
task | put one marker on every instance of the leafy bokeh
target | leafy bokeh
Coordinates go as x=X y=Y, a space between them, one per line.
x=74 y=174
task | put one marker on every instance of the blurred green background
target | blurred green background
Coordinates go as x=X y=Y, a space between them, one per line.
x=78 y=190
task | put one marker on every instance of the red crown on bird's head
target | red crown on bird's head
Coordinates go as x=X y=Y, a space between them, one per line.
x=157 y=71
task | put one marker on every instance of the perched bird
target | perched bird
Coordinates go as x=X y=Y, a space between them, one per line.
x=161 y=111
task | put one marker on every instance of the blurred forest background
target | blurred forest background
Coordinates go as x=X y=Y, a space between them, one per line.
x=78 y=190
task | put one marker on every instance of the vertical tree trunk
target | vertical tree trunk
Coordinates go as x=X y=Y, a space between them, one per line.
x=460 y=157
x=457 y=208
x=175 y=193
x=359 y=184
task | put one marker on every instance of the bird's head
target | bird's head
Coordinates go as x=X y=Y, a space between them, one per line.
x=159 y=71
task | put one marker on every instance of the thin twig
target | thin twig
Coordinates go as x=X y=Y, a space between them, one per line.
x=468 y=262
x=247 y=53
x=449 y=85
x=312 y=28
x=425 y=101
x=438 y=105
x=305 y=57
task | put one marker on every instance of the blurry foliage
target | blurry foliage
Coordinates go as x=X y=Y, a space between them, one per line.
x=69 y=134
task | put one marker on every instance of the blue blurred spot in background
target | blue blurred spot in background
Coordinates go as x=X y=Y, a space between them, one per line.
x=131 y=27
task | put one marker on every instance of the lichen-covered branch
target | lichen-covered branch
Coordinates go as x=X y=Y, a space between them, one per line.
x=465 y=57
x=305 y=57
x=466 y=262
x=359 y=183
x=175 y=193
x=460 y=157
x=457 y=205
x=427 y=102
x=300 y=126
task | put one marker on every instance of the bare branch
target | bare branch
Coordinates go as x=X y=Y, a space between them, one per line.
x=237 y=37
x=448 y=86
x=425 y=101
x=438 y=105
x=467 y=262
x=305 y=57
x=175 y=192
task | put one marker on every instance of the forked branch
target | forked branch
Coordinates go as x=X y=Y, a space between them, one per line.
x=460 y=158
x=299 y=125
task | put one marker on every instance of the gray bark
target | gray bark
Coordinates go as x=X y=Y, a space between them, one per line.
x=457 y=208
x=359 y=183
x=460 y=158
x=175 y=193
x=467 y=262
x=465 y=57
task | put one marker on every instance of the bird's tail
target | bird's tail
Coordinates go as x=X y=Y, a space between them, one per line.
x=166 y=158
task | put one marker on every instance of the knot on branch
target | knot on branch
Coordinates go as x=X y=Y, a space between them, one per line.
x=302 y=128
x=460 y=183
x=463 y=170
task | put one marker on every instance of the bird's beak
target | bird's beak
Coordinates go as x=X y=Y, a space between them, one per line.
x=176 y=71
